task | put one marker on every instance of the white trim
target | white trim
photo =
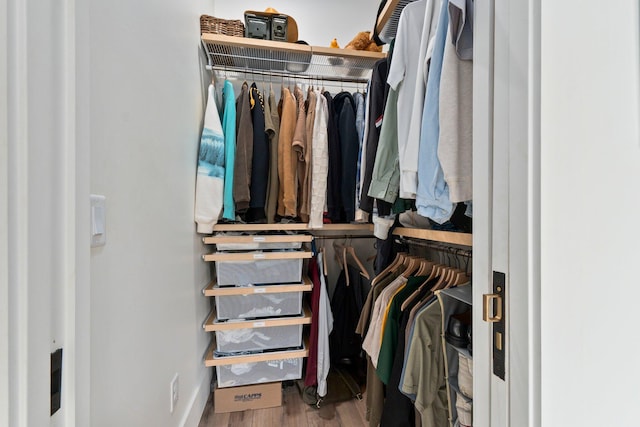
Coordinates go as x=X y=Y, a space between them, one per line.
x=534 y=226
x=524 y=213
x=198 y=401
x=4 y=223
x=18 y=212
x=482 y=191
x=68 y=193
x=82 y=32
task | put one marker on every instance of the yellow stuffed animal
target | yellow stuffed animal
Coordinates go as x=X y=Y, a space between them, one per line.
x=362 y=41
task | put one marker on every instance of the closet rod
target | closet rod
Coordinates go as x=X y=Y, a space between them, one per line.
x=434 y=246
x=290 y=76
x=344 y=236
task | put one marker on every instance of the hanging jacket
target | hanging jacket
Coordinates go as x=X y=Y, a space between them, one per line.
x=260 y=159
x=334 y=197
x=244 y=151
x=229 y=130
x=345 y=116
x=210 y=175
x=272 y=128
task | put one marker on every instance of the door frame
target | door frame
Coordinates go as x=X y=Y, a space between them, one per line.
x=507 y=149
x=26 y=309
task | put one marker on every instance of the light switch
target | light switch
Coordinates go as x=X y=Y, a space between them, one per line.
x=98 y=221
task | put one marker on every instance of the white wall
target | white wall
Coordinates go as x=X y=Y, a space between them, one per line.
x=590 y=183
x=318 y=22
x=147 y=308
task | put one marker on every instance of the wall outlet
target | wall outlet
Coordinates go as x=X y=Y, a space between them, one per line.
x=173 y=389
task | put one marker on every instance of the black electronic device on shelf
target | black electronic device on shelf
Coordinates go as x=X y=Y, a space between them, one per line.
x=265 y=27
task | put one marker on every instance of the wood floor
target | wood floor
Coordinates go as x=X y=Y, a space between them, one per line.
x=293 y=413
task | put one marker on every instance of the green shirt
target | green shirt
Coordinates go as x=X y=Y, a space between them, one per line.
x=390 y=337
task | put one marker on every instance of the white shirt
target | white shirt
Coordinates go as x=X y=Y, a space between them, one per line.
x=325 y=326
x=408 y=76
x=320 y=162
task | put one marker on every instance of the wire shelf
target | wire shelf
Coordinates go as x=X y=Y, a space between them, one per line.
x=288 y=59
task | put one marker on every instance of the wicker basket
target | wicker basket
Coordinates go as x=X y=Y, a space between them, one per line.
x=227 y=27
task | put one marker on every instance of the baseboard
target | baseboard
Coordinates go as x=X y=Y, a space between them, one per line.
x=198 y=401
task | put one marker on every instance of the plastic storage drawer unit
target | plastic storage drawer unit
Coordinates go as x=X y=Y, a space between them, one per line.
x=258 y=305
x=259 y=271
x=259 y=372
x=255 y=339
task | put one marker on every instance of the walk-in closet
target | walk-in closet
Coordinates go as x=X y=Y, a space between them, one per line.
x=338 y=213
x=341 y=253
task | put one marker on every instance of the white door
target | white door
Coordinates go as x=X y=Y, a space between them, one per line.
x=506 y=206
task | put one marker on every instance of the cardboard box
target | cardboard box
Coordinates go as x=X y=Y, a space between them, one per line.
x=256 y=396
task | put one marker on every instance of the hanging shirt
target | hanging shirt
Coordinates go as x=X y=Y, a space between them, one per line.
x=229 y=130
x=320 y=162
x=325 y=326
x=300 y=146
x=272 y=128
x=385 y=178
x=407 y=76
x=305 y=209
x=432 y=198
x=311 y=373
x=244 y=151
x=424 y=374
x=377 y=95
x=210 y=175
x=359 y=101
x=362 y=216
x=455 y=142
x=287 y=162
x=461 y=17
x=371 y=342
x=391 y=328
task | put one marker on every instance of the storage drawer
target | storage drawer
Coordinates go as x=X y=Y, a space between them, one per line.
x=241 y=269
x=259 y=372
x=259 y=305
x=257 y=339
x=243 y=241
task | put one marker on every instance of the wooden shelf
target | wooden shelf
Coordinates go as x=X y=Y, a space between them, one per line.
x=280 y=58
x=292 y=227
x=212 y=290
x=210 y=360
x=274 y=238
x=255 y=256
x=261 y=227
x=211 y=325
x=463 y=239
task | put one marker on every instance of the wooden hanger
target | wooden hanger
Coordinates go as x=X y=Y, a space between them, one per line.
x=412 y=267
x=426 y=267
x=397 y=261
x=324 y=260
x=347 y=253
x=351 y=251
